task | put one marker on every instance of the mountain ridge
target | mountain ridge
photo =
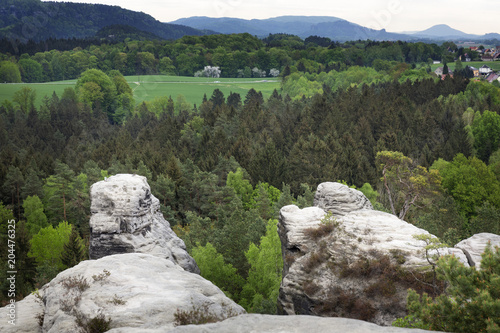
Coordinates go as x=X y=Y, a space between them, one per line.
x=37 y=20
x=323 y=26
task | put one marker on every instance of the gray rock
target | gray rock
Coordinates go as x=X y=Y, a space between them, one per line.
x=26 y=320
x=474 y=246
x=340 y=199
x=253 y=323
x=126 y=218
x=341 y=273
x=141 y=293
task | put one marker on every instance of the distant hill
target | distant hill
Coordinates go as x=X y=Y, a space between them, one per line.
x=37 y=20
x=443 y=31
x=302 y=26
x=120 y=32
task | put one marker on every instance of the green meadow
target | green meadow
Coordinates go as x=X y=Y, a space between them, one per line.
x=494 y=65
x=147 y=87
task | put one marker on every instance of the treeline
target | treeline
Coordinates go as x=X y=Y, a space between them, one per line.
x=236 y=55
x=222 y=170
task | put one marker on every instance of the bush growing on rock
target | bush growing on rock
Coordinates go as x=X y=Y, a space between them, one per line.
x=472 y=300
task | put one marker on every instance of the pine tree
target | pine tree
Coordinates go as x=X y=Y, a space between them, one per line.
x=73 y=251
x=472 y=300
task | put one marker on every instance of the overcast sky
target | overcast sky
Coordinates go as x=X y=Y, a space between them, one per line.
x=476 y=17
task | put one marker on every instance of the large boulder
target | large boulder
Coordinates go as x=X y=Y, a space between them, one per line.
x=136 y=292
x=355 y=262
x=474 y=246
x=340 y=199
x=126 y=218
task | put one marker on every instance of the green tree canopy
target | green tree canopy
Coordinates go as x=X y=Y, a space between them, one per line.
x=94 y=86
x=406 y=184
x=33 y=212
x=9 y=72
x=48 y=244
x=471 y=183
x=214 y=268
x=486 y=131
x=261 y=290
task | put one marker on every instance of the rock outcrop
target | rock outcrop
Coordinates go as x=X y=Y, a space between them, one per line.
x=358 y=264
x=126 y=218
x=339 y=199
x=136 y=292
x=251 y=323
x=474 y=246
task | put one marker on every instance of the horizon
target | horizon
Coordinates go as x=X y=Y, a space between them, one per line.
x=398 y=16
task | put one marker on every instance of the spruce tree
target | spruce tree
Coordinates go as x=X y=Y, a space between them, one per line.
x=73 y=251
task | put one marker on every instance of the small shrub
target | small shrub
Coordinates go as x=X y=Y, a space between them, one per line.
x=101 y=277
x=76 y=282
x=327 y=225
x=40 y=318
x=117 y=301
x=98 y=324
x=310 y=288
x=399 y=256
x=199 y=315
x=314 y=260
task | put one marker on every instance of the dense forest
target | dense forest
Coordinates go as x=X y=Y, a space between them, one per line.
x=222 y=169
x=37 y=20
x=236 y=55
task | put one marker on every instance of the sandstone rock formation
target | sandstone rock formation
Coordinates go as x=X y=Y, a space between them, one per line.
x=340 y=199
x=475 y=245
x=137 y=292
x=251 y=323
x=359 y=264
x=126 y=218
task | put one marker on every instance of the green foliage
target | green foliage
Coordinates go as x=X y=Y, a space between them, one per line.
x=25 y=98
x=406 y=184
x=215 y=269
x=31 y=71
x=260 y=292
x=33 y=212
x=94 y=88
x=472 y=301
x=370 y=193
x=47 y=245
x=9 y=72
x=471 y=183
x=486 y=131
x=73 y=251
x=241 y=186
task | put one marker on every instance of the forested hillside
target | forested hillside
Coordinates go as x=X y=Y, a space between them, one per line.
x=238 y=55
x=25 y=20
x=222 y=169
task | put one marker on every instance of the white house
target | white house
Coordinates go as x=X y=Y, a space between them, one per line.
x=485 y=70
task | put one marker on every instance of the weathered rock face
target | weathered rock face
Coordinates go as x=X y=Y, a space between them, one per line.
x=340 y=199
x=137 y=292
x=126 y=218
x=251 y=323
x=474 y=246
x=359 y=265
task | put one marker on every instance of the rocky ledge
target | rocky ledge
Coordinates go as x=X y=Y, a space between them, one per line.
x=135 y=292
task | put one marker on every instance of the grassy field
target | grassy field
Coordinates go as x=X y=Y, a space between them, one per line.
x=148 y=87
x=494 y=65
